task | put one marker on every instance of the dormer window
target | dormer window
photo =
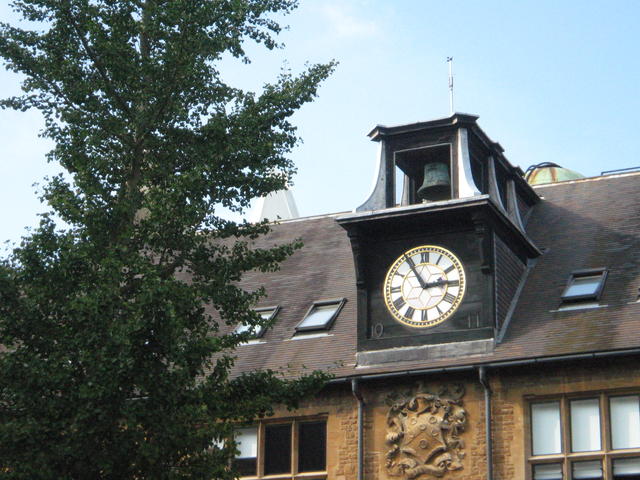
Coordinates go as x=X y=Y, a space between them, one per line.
x=320 y=316
x=584 y=285
x=267 y=313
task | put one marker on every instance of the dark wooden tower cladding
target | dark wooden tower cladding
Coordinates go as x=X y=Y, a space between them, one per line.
x=476 y=212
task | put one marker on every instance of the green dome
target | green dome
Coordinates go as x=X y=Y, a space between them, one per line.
x=548 y=172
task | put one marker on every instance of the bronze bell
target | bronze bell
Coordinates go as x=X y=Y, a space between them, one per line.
x=437 y=183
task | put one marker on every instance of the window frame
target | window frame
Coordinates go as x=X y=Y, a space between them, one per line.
x=257 y=335
x=321 y=303
x=293 y=474
x=591 y=272
x=566 y=458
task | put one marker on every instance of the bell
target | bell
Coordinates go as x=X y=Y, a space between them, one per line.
x=437 y=183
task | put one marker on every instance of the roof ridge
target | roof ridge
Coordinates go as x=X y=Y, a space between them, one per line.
x=311 y=217
x=584 y=180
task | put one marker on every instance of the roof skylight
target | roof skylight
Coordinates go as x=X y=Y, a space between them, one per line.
x=321 y=315
x=267 y=313
x=584 y=285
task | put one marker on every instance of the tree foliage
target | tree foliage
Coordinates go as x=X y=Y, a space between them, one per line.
x=111 y=365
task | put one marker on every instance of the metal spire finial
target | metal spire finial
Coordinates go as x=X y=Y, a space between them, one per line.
x=450 y=62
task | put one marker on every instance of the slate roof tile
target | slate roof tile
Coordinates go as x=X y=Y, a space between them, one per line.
x=587 y=223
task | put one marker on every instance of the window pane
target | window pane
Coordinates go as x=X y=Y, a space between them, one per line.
x=625 y=421
x=545 y=421
x=257 y=331
x=585 y=425
x=312 y=446
x=247 y=443
x=587 y=470
x=267 y=314
x=551 y=471
x=277 y=449
x=319 y=317
x=583 y=286
x=241 y=328
x=626 y=469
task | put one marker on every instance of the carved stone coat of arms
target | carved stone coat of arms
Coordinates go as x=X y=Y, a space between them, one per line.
x=424 y=434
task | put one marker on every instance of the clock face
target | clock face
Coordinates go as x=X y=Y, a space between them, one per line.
x=424 y=286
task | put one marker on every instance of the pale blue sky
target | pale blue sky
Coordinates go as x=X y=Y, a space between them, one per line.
x=551 y=81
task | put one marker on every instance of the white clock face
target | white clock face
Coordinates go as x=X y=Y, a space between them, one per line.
x=424 y=286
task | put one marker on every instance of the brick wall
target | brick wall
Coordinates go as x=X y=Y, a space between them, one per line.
x=512 y=389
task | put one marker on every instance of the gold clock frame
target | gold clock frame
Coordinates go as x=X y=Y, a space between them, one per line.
x=386 y=287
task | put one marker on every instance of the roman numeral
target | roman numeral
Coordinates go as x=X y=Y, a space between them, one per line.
x=424 y=257
x=399 y=303
x=449 y=298
x=409 y=312
x=438 y=260
x=395 y=289
x=454 y=283
x=440 y=312
x=423 y=315
x=449 y=268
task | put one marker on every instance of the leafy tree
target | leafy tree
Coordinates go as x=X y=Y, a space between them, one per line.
x=111 y=365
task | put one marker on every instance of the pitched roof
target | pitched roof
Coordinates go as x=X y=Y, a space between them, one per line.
x=321 y=270
x=587 y=223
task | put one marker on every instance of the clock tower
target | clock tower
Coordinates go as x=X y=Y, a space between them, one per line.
x=440 y=246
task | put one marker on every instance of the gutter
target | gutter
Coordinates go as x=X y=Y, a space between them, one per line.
x=492 y=365
x=358 y=395
x=482 y=377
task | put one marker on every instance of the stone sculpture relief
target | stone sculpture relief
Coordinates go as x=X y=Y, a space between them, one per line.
x=424 y=433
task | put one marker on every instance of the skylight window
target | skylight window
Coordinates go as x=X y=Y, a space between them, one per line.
x=321 y=315
x=267 y=313
x=584 y=285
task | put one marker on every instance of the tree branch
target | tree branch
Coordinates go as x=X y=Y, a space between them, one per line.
x=99 y=67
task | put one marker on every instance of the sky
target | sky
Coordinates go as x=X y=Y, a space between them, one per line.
x=551 y=81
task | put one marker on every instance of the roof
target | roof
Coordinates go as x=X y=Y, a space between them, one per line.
x=587 y=223
x=321 y=270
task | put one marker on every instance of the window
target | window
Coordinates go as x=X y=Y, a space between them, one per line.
x=283 y=449
x=595 y=437
x=267 y=313
x=584 y=285
x=321 y=315
x=247 y=444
